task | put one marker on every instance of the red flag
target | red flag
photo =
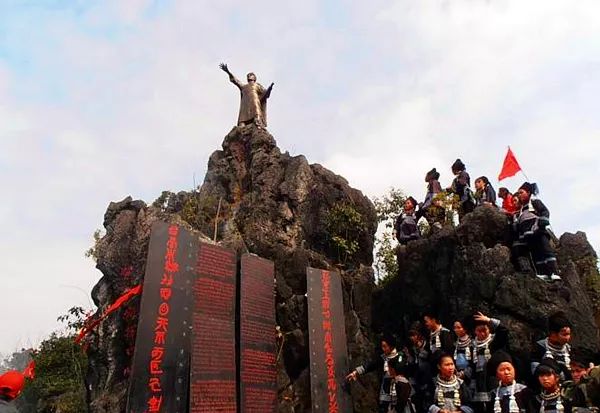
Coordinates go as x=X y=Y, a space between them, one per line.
x=510 y=167
x=89 y=325
x=29 y=372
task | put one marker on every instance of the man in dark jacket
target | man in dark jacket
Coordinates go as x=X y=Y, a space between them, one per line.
x=532 y=222
x=11 y=385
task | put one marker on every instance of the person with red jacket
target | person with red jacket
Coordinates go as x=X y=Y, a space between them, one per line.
x=508 y=204
x=11 y=385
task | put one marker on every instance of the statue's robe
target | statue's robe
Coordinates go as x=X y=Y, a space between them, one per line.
x=253 y=106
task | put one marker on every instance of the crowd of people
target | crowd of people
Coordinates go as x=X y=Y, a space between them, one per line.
x=472 y=370
x=528 y=216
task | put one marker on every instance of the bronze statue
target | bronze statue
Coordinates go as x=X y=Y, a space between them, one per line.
x=253 y=107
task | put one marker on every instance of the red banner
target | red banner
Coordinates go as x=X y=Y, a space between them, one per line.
x=510 y=167
x=91 y=324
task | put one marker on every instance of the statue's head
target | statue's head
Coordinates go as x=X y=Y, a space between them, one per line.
x=251 y=77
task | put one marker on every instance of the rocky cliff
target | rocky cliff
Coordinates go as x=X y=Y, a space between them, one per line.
x=459 y=271
x=254 y=199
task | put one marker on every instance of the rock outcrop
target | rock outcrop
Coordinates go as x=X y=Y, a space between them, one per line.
x=459 y=271
x=256 y=199
x=268 y=203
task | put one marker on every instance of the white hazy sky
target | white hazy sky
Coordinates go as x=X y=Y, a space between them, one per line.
x=104 y=99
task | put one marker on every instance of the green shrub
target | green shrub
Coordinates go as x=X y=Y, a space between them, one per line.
x=345 y=226
x=92 y=252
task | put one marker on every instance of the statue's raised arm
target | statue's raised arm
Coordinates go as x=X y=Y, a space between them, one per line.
x=267 y=93
x=232 y=78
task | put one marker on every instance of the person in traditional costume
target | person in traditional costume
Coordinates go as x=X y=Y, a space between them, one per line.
x=461 y=186
x=510 y=396
x=440 y=338
x=419 y=368
x=533 y=221
x=550 y=399
x=401 y=389
x=485 y=195
x=490 y=336
x=450 y=394
x=434 y=212
x=389 y=352
x=556 y=346
x=463 y=350
x=406 y=228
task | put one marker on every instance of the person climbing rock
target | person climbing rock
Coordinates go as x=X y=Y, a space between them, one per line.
x=533 y=221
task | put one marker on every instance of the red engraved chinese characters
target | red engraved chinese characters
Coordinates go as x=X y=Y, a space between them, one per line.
x=213 y=365
x=258 y=375
x=161 y=324
x=328 y=343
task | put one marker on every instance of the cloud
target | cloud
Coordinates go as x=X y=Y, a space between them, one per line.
x=100 y=100
x=492 y=74
x=41 y=281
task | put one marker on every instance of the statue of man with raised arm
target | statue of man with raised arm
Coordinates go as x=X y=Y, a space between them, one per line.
x=253 y=106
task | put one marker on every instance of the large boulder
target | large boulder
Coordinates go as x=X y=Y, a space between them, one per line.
x=459 y=271
x=254 y=199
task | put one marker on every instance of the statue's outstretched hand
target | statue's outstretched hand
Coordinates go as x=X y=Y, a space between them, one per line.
x=223 y=67
x=271 y=85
